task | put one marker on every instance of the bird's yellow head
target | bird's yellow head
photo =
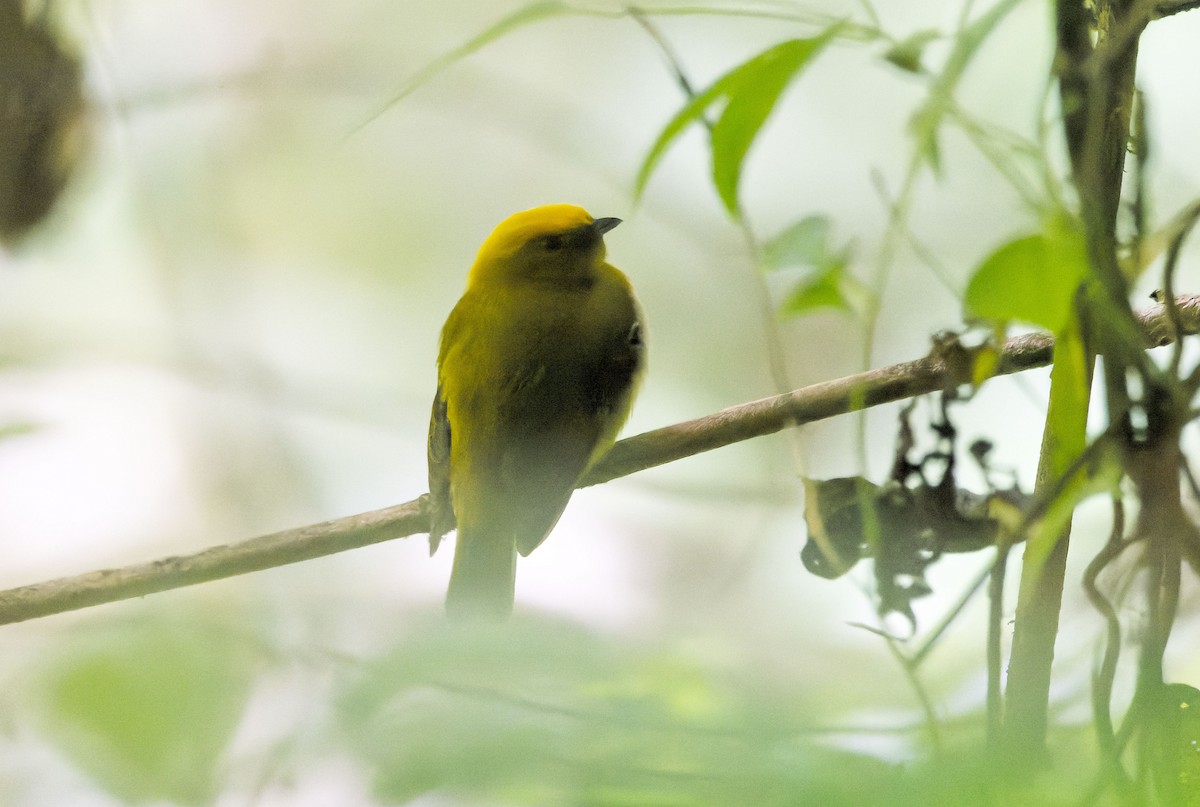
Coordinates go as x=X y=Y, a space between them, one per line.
x=551 y=243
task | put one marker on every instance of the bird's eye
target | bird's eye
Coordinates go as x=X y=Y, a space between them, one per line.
x=553 y=243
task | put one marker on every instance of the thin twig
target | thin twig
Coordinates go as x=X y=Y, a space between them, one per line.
x=648 y=450
x=931 y=722
x=950 y=617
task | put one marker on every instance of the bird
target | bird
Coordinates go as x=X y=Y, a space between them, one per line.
x=538 y=366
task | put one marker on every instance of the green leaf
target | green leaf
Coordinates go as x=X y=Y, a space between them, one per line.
x=147 y=707
x=825 y=292
x=924 y=127
x=827 y=285
x=542 y=712
x=833 y=288
x=749 y=92
x=927 y=120
x=18 y=428
x=1031 y=279
x=692 y=111
x=906 y=54
x=805 y=243
x=760 y=83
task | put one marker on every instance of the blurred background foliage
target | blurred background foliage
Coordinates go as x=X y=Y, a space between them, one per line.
x=226 y=324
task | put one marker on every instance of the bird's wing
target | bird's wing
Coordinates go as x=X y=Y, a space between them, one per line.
x=441 y=510
x=591 y=409
x=542 y=474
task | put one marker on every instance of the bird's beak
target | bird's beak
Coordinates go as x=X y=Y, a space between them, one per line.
x=601 y=226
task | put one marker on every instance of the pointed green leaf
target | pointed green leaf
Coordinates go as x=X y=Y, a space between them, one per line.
x=749 y=92
x=1031 y=279
x=804 y=243
x=823 y=291
x=760 y=83
x=924 y=126
x=827 y=284
x=692 y=111
x=906 y=54
x=832 y=288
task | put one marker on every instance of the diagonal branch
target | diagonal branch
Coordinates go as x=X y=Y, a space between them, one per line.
x=647 y=450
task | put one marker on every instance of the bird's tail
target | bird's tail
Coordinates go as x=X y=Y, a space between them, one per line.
x=483 y=579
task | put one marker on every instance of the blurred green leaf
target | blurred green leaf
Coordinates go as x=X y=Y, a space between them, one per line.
x=834 y=287
x=927 y=120
x=750 y=92
x=757 y=88
x=805 y=243
x=534 y=712
x=1031 y=279
x=1172 y=720
x=146 y=707
x=827 y=284
x=18 y=428
x=906 y=54
x=823 y=292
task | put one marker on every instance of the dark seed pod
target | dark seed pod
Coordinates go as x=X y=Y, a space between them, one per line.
x=41 y=118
